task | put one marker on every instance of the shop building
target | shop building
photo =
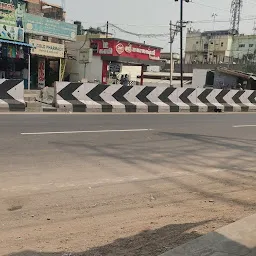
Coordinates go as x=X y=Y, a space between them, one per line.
x=14 y=52
x=31 y=45
x=47 y=37
x=109 y=56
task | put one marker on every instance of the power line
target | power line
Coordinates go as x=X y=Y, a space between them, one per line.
x=138 y=34
x=212 y=7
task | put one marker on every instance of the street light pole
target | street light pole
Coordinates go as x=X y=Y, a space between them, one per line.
x=181 y=39
x=171 y=59
x=181 y=43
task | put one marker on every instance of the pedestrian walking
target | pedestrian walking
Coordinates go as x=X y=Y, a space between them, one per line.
x=126 y=80
x=122 y=80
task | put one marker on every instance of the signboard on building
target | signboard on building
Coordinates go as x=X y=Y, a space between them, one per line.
x=12 y=19
x=120 y=48
x=11 y=33
x=47 y=49
x=12 y=12
x=41 y=73
x=48 y=27
x=85 y=56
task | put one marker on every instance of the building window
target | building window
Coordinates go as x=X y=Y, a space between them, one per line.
x=222 y=44
x=211 y=42
x=241 y=45
x=251 y=45
x=94 y=47
x=206 y=46
x=197 y=42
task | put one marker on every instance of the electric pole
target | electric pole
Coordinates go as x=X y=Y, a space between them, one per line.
x=254 y=28
x=181 y=40
x=214 y=15
x=171 y=59
x=181 y=43
x=173 y=33
x=107 y=29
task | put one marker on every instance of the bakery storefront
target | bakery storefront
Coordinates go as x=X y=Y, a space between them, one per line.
x=111 y=53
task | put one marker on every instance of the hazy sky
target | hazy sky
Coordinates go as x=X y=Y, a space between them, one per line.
x=153 y=16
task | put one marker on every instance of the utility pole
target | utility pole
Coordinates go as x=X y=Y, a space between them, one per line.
x=171 y=59
x=107 y=29
x=173 y=33
x=214 y=15
x=181 y=39
x=181 y=43
x=254 y=28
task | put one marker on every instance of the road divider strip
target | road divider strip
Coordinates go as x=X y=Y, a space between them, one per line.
x=88 y=97
x=12 y=95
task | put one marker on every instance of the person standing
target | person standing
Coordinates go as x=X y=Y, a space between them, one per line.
x=126 y=80
x=25 y=77
x=19 y=15
x=122 y=80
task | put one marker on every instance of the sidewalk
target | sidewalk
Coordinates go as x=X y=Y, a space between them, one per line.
x=237 y=239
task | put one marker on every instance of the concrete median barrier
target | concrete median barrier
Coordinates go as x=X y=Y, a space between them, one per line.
x=88 y=97
x=12 y=95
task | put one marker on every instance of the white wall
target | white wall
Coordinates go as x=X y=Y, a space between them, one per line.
x=94 y=69
x=73 y=67
x=199 y=78
x=79 y=71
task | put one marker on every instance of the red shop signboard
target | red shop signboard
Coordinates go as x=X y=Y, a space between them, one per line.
x=125 y=49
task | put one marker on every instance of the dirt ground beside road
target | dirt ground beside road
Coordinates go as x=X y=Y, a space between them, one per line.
x=143 y=217
x=122 y=193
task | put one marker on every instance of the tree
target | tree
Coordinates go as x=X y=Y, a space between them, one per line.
x=92 y=30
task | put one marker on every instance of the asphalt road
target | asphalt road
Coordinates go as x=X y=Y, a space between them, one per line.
x=79 y=183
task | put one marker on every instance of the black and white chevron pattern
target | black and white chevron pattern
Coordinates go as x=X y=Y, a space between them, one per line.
x=87 y=97
x=12 y=95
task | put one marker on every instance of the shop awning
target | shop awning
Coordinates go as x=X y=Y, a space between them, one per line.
x=15 y=42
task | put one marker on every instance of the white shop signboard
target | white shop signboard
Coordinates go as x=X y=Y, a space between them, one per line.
x=47 y=49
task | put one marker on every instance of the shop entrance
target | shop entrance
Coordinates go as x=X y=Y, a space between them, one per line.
x=44 y=72
x=14 y=58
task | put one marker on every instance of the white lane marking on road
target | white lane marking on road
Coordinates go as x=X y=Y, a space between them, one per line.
x=243 y=126
x=76 y=132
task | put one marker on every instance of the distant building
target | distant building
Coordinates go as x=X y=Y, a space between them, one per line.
x=53 y=11
x=218 y=47
x=244 y=48
x=209 y=46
